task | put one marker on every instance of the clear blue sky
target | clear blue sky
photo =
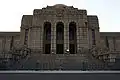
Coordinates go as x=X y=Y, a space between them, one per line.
x=108 y=12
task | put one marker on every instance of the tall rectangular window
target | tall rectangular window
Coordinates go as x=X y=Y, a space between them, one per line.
x=114 y=43
x=26 y=36
x=106 y=42
x=93 y=37
x=11 y=43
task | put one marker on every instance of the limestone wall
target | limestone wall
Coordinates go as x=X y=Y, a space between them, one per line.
x=93 y=24
x=26 y=24
x=113 y=40
x=32 y=30
x=54 y=15
x=9 y=39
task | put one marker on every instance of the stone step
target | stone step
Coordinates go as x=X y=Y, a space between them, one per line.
x=53 y=61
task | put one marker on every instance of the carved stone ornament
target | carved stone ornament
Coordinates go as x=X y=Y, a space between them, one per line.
x=59 y=12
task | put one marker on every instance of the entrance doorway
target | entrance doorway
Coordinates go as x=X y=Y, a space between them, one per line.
x=47 y=48
x=72 y=48
x=60 y=49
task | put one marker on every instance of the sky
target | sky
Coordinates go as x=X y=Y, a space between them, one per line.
x=108 y=12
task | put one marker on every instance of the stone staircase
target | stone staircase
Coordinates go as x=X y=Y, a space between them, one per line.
x=80 y=61
x=51 y=61
x=63 y=61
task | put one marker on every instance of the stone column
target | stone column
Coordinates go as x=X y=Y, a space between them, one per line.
x=66 y=36
x=38 y=38
x=53 y=37
x=90 y=37
x=78 y=32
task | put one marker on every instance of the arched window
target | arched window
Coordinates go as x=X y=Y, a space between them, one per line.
x=72 y=37
x=59 y=38
x=60 y=31
x=47 y=38
x=72 y=31
x=47 y=30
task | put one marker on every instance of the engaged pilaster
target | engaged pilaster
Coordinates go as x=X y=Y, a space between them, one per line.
x=53 y=38
x=66 y=37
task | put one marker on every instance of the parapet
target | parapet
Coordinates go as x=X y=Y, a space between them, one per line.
x=93 y=21
x=26 y=20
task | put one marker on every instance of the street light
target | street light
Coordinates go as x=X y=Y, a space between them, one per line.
x=52 y=52
x=67 y=51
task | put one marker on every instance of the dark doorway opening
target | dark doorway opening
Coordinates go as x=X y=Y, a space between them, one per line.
x=60 y=49
x=47 y=48
x=72 y=48
x=47 y=38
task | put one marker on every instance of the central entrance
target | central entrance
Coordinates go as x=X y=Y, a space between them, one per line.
x=60 y=49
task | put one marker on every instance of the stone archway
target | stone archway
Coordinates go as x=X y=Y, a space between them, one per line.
x=72 y=38
x=59 y=38
x=47 y=38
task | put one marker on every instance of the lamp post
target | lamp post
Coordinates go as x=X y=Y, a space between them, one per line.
x=53 y=52
x=67 y=51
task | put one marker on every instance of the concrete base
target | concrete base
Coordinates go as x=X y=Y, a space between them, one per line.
x=60 y=75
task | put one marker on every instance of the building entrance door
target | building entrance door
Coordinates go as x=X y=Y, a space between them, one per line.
x=47 y=48
x=72 y=49
x=60 y=49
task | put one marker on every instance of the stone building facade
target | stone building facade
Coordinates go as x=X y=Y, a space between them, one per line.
x=60 y=29
x=64 y=26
